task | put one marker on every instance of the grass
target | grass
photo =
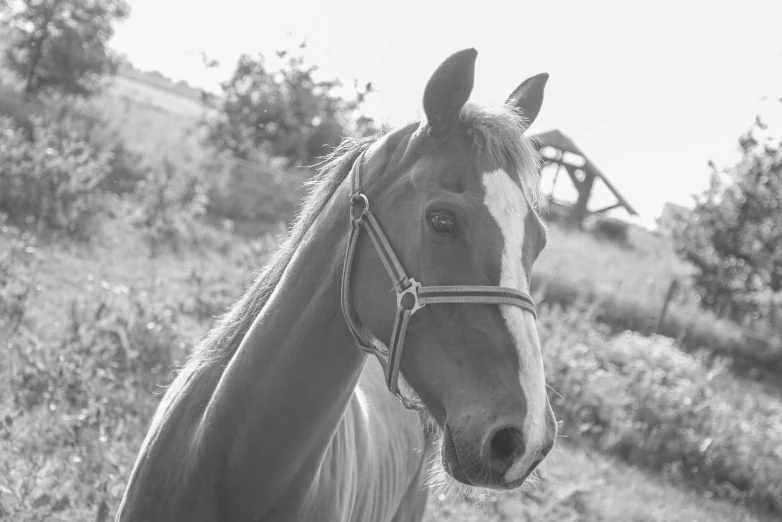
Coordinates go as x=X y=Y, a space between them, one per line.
x=101 y=328
x=580 y=484
x=628 y=288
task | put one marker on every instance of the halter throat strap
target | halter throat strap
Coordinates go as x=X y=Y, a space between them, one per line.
x=411 y=295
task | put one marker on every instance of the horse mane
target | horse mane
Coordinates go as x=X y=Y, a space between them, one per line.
x=226 y=336
x=497 y=132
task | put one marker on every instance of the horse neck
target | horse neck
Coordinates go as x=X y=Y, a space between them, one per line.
x=285 y=391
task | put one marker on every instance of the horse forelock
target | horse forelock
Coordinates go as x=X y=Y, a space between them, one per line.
x=497 y=134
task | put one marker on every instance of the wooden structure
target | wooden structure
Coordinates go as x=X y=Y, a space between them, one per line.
x=558 y=149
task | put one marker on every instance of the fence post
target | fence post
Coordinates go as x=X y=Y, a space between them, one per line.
x=668 y=298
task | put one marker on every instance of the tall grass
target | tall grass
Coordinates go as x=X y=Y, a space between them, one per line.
x=90 y=337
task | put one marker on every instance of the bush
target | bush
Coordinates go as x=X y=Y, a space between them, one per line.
x=19 y=108
x=52 y=181
x=170 y=201
x=248 y=192
x=612 y=229
x=126 y=167
x=734 y=237
x=646 y=401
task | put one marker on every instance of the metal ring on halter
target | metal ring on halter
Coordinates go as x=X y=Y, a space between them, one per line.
x=353 y=200
x=412 y=291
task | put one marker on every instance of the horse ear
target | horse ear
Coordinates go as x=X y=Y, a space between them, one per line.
x=448 y=90
x=529 y=96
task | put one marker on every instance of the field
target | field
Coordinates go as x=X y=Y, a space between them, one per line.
x=92 y=332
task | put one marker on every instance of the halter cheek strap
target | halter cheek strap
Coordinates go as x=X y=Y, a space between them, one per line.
x=411 y=296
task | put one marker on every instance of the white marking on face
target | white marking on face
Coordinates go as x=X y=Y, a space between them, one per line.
x=508 y=205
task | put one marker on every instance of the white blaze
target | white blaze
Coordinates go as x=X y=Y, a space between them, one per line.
x=508 y=205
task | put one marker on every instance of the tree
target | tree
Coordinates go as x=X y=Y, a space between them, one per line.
x=283 y=111
x=61 y=46
x=735 y=236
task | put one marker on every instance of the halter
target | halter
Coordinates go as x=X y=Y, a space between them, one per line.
x=419 y=296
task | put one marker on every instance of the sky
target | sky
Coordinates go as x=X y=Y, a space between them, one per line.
x=649 y=92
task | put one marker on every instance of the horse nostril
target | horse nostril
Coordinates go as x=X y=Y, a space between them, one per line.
x=506 y=444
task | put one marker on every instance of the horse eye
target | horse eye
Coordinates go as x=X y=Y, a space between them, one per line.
x=442 y=222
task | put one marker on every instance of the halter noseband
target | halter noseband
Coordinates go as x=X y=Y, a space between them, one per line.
x=420 y=296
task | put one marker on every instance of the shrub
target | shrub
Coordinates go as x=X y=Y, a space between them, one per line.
x=611 y=229
x=251 y=192
x=734 y=237
x=646 y=401
x=19 y=108
x=126 y=166
x=52 y=181
x=170 y=201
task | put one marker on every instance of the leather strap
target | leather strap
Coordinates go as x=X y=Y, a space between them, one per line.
x=362 y=218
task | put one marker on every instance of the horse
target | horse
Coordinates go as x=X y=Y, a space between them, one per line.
x=278 y=416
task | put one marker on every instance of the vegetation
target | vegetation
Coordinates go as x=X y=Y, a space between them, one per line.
x=626 y=287
x=580 y=484
x=51 y=181
x=645 y=401
x=170 y=200
x=61 y=46
x=735 y=238
x=283 y=111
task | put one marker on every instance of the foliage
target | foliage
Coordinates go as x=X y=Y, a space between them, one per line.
x=611 y=229
x=61 y=46
x=244 y=191
x=283 y=111
x=76 y=404
x=693 y=329
x=83 y=372
x=19 y=107
x=627 y=287
x=17 y=261
x=170 y=199
x=642 y=399
x=735 y=238
x=126 y=167
x=52 y=180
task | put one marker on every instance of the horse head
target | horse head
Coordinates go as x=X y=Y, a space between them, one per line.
x=455 y=194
